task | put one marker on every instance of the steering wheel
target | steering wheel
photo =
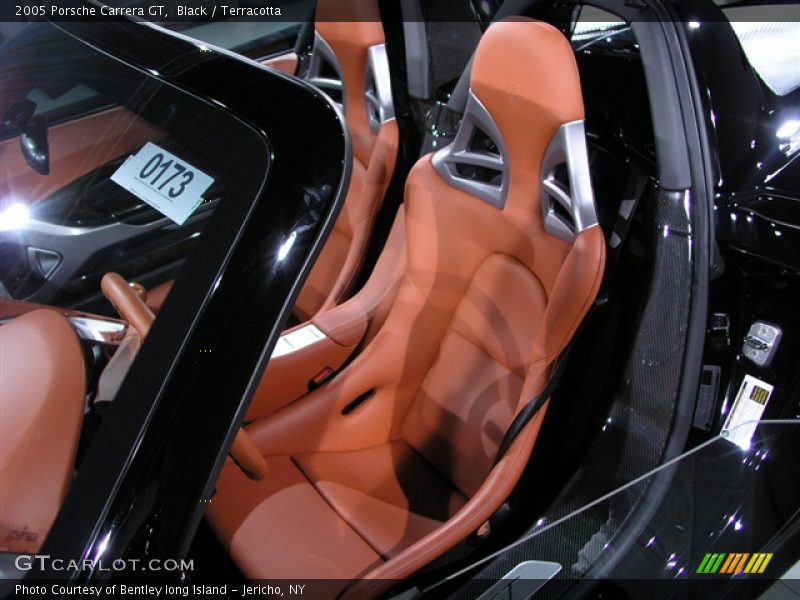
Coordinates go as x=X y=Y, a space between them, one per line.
x=128 y=301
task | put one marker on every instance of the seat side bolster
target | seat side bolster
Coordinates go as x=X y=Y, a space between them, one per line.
x=578 y=281
x=379 y=171
x=376 y=296
x=285 y=63
x=347 y=327
x=288 y=375
x=157 y=295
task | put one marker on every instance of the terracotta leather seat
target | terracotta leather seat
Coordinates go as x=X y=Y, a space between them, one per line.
x=349 y=62
x=351 y=34
x=42 y=399
x=390 y=464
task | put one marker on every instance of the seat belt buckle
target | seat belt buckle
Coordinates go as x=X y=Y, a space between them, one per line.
x=317 y=380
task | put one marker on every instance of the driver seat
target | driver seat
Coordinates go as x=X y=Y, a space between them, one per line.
x=390 y=464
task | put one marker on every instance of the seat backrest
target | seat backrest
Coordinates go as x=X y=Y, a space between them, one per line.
x=42 y=397
x=505 y=255
x=350 y=63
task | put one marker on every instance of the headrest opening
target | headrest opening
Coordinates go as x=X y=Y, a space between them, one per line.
x=324 y=71
x=477 y=160
x=378 y=88
x=566 y=189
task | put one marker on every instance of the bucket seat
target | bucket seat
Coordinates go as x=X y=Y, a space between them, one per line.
x=349 y=62
x=391 y=463
x=350 y=42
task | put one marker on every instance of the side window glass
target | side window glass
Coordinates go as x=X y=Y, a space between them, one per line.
x=256 y=40
x=594 y=26
x=771 y=47
x=102 y=168
x=108 y=174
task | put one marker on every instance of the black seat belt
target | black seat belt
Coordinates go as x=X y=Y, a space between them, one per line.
x=533 y=406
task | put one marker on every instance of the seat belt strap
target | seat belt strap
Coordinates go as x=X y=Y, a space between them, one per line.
x=533 y=406
x=634 y=191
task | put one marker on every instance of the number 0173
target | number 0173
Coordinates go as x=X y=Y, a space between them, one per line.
x=168 y=172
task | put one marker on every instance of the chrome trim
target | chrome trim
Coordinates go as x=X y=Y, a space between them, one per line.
x=324 y=53
x=568 y=147
x=378 y=88
x=445 y=160
x=523 y=581
x=761 y=343
x=105 y=331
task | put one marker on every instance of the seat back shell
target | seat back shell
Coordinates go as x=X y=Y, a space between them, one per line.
x=349 y=38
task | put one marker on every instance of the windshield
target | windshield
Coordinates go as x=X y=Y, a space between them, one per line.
x=768 y=34
x=69 y=211
x=249 y=35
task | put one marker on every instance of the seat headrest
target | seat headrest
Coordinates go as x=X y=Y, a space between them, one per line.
x=350 y=63
x=523 y=130
x=524 y=70
x=353 y=22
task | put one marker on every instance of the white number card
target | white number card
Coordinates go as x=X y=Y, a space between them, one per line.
x=170 y=185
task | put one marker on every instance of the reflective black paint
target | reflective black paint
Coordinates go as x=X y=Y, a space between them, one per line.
x=139 y=491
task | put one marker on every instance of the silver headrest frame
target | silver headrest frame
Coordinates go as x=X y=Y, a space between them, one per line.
x=378 y=88
x=445 y=161
x=321 y=54
x=568 y=148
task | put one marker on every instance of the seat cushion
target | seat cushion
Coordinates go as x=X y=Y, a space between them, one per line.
x=388 y=494
x=311 y=541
